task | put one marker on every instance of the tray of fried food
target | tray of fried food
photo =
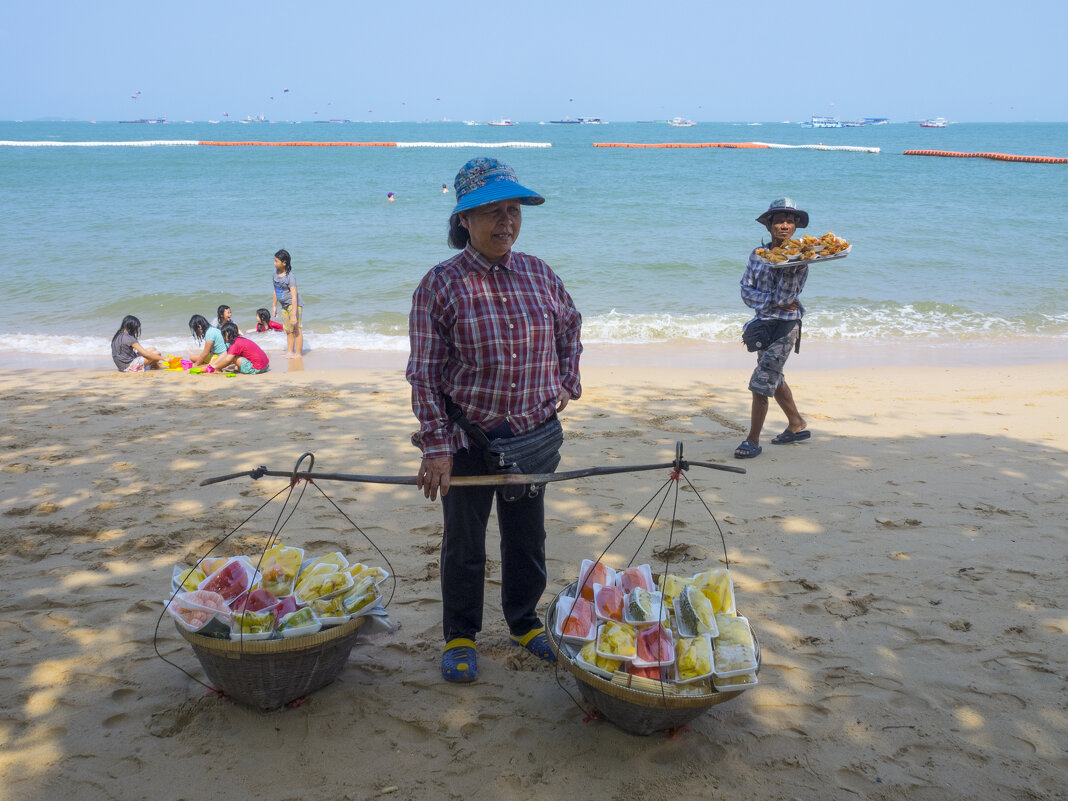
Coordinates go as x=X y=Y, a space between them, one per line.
x=806 y=250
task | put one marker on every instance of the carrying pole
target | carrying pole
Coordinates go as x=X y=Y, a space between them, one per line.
x=496 y=479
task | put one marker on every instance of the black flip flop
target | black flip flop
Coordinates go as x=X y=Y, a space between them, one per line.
x=789 y=436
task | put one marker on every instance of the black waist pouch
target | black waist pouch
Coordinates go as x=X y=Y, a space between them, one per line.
x=537 y=451
x=758 y=334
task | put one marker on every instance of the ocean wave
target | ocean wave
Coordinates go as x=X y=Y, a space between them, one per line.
x=892 y=323
x=887 y=323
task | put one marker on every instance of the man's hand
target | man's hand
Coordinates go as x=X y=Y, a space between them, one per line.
x=791 y=306
x=434 y=474
x=562 y=399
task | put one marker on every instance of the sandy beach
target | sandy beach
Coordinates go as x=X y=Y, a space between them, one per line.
x=904 y=569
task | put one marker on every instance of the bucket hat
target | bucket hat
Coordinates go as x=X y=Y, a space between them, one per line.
x=784 y=204
x=484 y=180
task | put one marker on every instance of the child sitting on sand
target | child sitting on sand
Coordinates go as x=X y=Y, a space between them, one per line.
x=209 y=336
x=266 y=323
x=129 y=355
x=242 y=352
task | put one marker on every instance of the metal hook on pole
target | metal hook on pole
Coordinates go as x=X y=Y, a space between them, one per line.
x=295 y=477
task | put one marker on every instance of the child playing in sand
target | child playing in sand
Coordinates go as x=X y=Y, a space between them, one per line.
x=244 y=353
x=265 y=323
x=285 y=292
x=209 y=336
x=129 y=355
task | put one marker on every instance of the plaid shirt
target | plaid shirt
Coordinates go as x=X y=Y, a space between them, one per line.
x=500 y=340
x=766 y=288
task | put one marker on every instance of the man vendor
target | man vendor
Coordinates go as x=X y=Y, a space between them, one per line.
x=773 y=291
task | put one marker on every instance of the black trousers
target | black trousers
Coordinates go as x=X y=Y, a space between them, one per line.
x=463 y=554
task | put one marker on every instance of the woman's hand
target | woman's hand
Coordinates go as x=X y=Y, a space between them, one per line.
x=434 y=474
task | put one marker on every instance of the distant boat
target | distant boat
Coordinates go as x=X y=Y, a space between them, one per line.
x=471 y=122
x=679 y=122
x=501 y=121
x=876 y=120
x=853 y=123
x=566 y=121
x=592 y=121
x=150 y=122
x=937 y=122
x=822 y=122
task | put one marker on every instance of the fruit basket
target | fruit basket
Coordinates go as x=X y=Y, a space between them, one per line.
x=272 y=627
x=269 y=674
x=636 y=705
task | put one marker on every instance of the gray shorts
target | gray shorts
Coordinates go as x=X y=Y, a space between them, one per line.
x=768 y=373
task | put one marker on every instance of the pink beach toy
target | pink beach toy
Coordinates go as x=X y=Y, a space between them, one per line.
x=187 y=363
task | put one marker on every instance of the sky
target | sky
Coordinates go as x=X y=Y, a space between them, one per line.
x=532 y=61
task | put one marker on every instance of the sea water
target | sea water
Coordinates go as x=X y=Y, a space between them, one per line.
x=651 y=243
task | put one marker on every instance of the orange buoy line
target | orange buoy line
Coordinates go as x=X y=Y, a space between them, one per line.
x=299 y=144
x=737 y=145
x=994 y=156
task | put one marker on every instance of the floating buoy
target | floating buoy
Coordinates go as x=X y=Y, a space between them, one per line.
x=740 y=146
x=161 y=143
x=737 y=145
x=993 y=156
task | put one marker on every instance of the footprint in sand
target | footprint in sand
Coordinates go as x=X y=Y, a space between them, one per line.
x=908 y=522
x=850 y=607
x=682 y=552
x=170 y=722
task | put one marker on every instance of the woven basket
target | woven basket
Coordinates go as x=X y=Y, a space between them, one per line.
x=636 y=711
x=267 y=674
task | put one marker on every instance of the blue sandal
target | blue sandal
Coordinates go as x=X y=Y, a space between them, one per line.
x=537 y=642
x=459 y=663
x=747 y=450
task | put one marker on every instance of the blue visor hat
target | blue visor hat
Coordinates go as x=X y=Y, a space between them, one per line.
x=483 y=180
